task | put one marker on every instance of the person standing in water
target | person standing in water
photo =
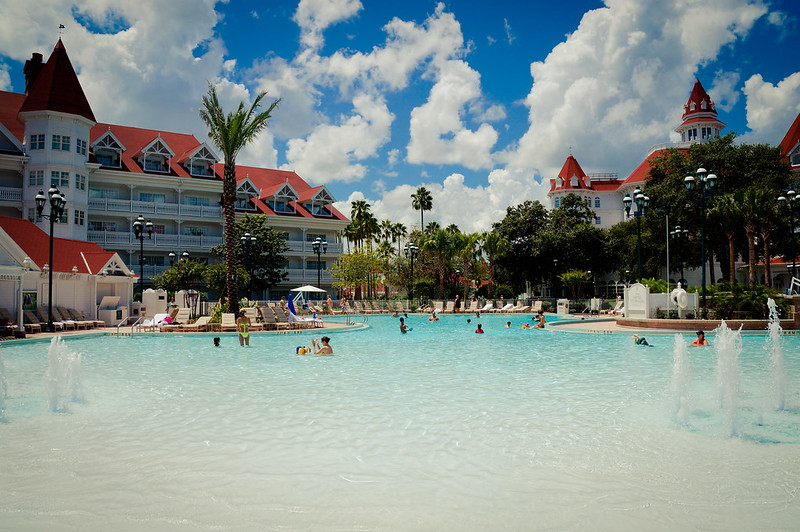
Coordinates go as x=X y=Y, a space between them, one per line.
x=403 y=327
x=243 y=326
x=322 y=347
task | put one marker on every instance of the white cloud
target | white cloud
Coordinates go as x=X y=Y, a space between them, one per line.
x=438 y=135
x=725 y=91
x=5 y=77
x=331 y=151
x=509 y=36
x=771 y=109
x=313 y=16
x=611 y=91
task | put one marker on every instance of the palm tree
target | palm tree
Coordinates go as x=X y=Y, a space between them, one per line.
x=230 y=133
x=398 y=232
x=753 y=202
x=767 y=220
x=387 y=231
x=729 y=216
x=492 y=245
x=467 y=250
x=422 y=201
x=440 y=245
x=359 y=211
x=432 y=227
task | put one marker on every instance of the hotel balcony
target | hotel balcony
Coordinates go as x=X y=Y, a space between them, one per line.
x=308 y=276
x=127 y=240
x=11 y=194
x=148 y=207
x=300 y=246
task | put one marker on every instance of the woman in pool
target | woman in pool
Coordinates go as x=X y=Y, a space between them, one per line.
x=322 y=347
x=479 y=330
x=540 y=325
x=243 y=326
x=701 y=339
x=403 y=327
x=329 y=304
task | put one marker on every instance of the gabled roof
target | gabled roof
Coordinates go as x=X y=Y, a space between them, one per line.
x=57 y=88
x=270 y=181
x=570 y=169
x=136 y=139
x=10 y=104
x=639 y=175
x=792 y=138
x=699 y=107
x=67 y=253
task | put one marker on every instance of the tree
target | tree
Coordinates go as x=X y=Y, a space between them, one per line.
x=398 y=232
x=728 y=215
x=492 y=245
x=440 y=245
x=186 y=274
x=752 y=203
x=230 y=133
x=422 y=201
x=574 y=280
x=264 y=257
x=466 y=248
x=353 y=270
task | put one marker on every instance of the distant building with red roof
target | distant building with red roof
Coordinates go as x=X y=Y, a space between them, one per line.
x=110 y=174
x=790 y=145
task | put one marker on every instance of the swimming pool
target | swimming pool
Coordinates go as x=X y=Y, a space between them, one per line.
x=438 y=429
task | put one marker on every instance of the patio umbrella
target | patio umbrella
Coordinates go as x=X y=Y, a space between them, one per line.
x=307 y=288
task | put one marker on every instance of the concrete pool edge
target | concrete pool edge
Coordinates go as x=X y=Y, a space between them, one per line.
x=612 y=326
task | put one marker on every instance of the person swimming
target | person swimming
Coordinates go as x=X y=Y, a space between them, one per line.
x=322 y=347
x=640 y=340
x=479 y=329
x=403 y=327
x=701 y=339
x=216 y=341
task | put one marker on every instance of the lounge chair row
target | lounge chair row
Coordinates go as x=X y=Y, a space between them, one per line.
x=64 y=319
x=261 y=319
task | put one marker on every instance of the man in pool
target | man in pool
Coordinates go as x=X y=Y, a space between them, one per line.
x=322 y=347
x=479 y=329
x=639 y=340
x=243 y=326
x=508 y=325
x=403 y=327
x=216 y=341
x=701 y=339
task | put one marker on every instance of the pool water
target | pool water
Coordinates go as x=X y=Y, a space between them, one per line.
x=437 y=429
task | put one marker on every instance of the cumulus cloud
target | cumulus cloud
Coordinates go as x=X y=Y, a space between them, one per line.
x=771 y=109
x=725 y=91
x=610 y=91
x=331 y=151
x=313 y=16
x=5 y=77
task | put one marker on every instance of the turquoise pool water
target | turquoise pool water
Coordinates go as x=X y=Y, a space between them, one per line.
x=439 y=429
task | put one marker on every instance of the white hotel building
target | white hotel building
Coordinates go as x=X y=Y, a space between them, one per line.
x=110 y=174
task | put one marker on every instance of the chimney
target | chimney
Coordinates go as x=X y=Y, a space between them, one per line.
x=32 y=68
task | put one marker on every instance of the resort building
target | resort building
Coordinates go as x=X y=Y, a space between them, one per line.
x=605 y=192
x=111 y=174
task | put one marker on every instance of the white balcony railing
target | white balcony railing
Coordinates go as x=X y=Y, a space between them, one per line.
x=114 y=239
x=148 y=207
x=10 y=194
x=300 y=246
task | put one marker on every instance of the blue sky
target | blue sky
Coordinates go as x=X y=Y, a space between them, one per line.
x=480 y=104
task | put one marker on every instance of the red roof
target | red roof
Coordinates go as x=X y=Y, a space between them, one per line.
x=792 y=137
x=57 y=88
x=570 y=169
x=35 y=243
x=10 y=103
x=698 y=97
x=134 y=139
x=268 y=181
x=639 y=175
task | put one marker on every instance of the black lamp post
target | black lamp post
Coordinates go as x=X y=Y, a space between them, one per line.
x=248 y=243
x=555 y=274
x=591 y=281
x=185 y=255
x=792 y=202
x=703 y=182
x=57 y=202
x=171 y=259
x=139 y=229
x=680 y=236
x=411 y=251
x=642 y=202
x=319 y=246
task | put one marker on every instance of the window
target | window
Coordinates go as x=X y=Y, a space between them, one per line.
x=152 y=198
x=312 y=265
x=37 y=141
x=80 y=146
x=80 y=182
x=597 y=203
x=59 y=179
x=158 y=229
x=310 y=237
x=33 y=216
x=36 y=178
x=153 y=260
x=61 y=142
x=558 y=202
x=193 y=200
x=103 y=226
x=597 y=220
x=243 y=202
x=284 y=235
x=108 y=151
x=64 y=218
x=194 y=231
x=103 y=194
x=80 y=217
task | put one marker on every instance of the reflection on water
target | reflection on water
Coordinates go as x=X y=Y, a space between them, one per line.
x=436 y=429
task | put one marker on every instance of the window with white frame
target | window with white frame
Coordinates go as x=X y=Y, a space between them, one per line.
x=192 y=230
x=103 y=193
x=37 y=141
x=108 y=227
x=312 y=265
x=80 y=182
x=152 y=198
x=33 y=215
x=310 y=237
x=597 y=203
x=558 y=202
x=59 y=179
x=155 y=157
x=597 y=220
x=108 y=151
x=80 y=146
x=195 y=200
x=36 y=178
x=64 y=218
x=80 y=217
x=61 y=142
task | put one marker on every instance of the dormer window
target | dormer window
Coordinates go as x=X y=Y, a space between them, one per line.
x=201 y=163
x=693 y=106
x=318 y=202
x=573 y=181
x=794 y=157
x=703 y=105
x=245 y=193
x=108 y=150
x=281 y=200
x=155 y=157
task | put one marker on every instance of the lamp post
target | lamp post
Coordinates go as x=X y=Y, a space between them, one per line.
x=57 y=202
x=248 y=243
x=703 y=182
x=792 y=202
x=642 y=202
x=591 y=281
x=185 y=255
x=171 y=259
x=680 y=236
x=319 y=246
x=555 y=274
x=139 y=229
x=411 y=251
